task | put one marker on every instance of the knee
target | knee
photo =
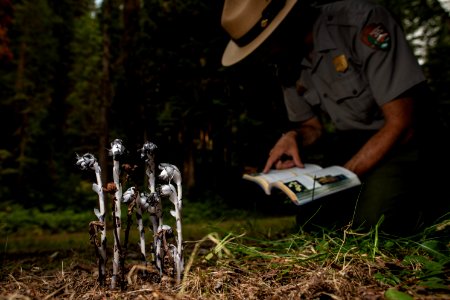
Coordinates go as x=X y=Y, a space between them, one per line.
x=398 y=221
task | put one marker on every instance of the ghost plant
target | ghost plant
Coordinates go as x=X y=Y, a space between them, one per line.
x=88 y=161
x=154 y=206
x=170 y=173
x=168 y=190
x=129 y=198
x=132 y=198
x=149 y=201
x=117 y=150
x=148 y=154
x=171 y=257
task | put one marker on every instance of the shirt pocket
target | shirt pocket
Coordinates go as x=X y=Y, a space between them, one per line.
x=352 y=94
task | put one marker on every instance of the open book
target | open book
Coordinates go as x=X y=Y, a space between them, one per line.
x=303 y=185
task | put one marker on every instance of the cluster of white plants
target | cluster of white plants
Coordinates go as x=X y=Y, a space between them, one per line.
x=167 y=256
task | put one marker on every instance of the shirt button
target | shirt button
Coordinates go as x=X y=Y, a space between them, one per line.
x=325 y=95
x=355 y=92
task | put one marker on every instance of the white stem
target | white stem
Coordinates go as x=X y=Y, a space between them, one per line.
x=178 y=221
x=150 y=171
x=100 y=194
x=118 y=212
x=169 y=190
x=179 y=193
x=158 y=254
x=157 y=222
x=179 y=261
x=101 y=218
x=141 y=229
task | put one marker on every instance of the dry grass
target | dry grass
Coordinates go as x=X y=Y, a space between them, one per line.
x=226 y=278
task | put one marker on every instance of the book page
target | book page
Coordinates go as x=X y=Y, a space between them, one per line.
x=332 y=174
x=301 y=183
x=315 y=178
x=321 y=183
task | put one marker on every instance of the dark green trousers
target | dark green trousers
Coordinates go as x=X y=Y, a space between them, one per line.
x=392 y=191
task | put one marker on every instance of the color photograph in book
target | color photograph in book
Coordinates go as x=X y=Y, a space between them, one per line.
x=306 y=184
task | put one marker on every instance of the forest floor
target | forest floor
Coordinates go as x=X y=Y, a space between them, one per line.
x=234 y=261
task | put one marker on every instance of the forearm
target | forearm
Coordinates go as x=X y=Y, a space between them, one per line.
x=397 y=129
x=373 y=151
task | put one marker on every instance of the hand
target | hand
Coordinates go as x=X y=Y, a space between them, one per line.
x=286 y=146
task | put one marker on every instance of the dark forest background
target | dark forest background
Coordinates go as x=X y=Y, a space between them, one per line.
x=74 y=76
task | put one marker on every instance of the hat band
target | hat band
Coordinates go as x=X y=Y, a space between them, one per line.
x=267 y=16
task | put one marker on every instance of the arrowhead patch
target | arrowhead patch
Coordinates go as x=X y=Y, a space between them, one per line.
x=376 y=36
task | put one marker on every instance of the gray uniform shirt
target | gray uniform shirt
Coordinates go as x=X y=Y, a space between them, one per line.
x=360 y=61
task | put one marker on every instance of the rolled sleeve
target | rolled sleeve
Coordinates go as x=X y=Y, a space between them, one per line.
x=392 y=71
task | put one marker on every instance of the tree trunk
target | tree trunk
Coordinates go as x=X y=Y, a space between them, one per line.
x=106 y=92
x=19 y=91
x=132 y=111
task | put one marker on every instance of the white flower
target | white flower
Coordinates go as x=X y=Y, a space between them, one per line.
x=148 y=149
x=128 y=195
x=86 y=161
x=117 y=148
x=169 y=172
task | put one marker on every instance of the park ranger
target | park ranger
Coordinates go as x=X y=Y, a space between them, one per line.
x=345 y=63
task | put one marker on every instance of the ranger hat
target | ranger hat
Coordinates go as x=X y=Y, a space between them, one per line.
x=249 y=23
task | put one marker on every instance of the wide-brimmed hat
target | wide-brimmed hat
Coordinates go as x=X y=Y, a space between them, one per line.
x=249 y=23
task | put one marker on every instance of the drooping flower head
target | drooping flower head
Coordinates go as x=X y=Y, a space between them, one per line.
x=86 y=161
x=169 y=172
x=151 y=202
x=166 y=190
x=117 y=149
x=147 y=150
x=129 y=195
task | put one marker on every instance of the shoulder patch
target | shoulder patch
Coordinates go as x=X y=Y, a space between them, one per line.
x=376 y=36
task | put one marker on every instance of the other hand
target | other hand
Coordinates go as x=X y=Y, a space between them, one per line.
x=285 y=146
